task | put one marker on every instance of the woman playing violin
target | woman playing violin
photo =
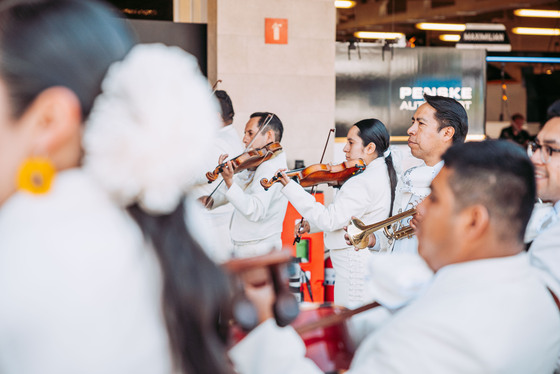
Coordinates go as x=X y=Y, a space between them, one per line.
x=256 y=225
x=367 y=196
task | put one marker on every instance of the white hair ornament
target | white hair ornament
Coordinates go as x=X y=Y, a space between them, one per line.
x=145 y=138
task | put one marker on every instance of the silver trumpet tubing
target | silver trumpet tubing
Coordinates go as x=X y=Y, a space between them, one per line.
x=359 y=233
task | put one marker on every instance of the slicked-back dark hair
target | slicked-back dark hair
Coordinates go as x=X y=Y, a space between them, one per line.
x=372 y=130
x=497 y=174
x=275 y=124
x=449 y=112
x=226 y=106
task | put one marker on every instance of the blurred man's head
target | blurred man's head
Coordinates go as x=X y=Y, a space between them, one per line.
x=517 y=121
x=480 y=204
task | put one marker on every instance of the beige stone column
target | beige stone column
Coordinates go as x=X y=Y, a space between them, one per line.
x=294 y=80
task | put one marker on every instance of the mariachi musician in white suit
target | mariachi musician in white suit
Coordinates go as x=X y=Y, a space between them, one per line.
x=368 y=196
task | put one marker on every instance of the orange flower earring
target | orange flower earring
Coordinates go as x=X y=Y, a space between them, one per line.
x=36 y=175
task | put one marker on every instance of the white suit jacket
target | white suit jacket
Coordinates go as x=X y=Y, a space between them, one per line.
x=258 y=214
x=413 y=186
x=486 y=316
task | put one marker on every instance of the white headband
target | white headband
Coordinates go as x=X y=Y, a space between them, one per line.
x=387 y=153
x=146 y=137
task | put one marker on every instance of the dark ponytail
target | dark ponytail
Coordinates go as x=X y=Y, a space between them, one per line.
x=195 y=292
x=372 y=130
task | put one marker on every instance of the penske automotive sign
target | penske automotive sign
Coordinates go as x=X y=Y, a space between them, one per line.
x=412 y=97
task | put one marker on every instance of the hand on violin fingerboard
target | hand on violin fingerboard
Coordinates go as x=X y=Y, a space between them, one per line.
x=227 y=173
x=281 y=175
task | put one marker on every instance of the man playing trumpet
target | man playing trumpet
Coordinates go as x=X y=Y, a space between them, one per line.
x=436 y=125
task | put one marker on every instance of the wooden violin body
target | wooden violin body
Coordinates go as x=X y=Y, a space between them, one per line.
x=334 y=175
x=248 y=160
x=330 y=347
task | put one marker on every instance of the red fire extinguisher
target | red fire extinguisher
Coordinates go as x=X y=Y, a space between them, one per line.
x=329 y=280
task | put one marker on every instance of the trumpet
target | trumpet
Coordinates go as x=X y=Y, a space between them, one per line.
x=359 y=233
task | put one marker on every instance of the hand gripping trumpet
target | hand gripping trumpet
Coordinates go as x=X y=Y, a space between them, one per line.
x=359 y=233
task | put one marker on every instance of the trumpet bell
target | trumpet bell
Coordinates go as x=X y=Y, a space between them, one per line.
x=357 y=233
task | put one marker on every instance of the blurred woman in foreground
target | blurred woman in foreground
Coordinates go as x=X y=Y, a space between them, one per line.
x=98 y=273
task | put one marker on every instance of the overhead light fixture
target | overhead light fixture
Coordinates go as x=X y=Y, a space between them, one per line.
x=441 y=26
x=535 y=31
x=537 y=13
x=450 y=37
x=377 y=35
x=344 y=4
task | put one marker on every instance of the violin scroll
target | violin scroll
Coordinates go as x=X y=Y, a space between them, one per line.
x=267 y=183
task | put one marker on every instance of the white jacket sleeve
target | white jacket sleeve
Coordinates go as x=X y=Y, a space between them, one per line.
x=270 y=349
x=254 y=201
x=347 y=203
x=253 y=204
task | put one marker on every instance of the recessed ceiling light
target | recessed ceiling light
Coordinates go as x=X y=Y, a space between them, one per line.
x=441 y=26
x=535 y=31
x=377 y=35
x=537 y=13
x=450 y=37
x=344 y=4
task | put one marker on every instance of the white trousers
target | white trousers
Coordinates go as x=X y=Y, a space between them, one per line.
x=350 y=272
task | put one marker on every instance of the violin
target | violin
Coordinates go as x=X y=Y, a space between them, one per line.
x=334 y=175
x=247 y=160
x=325 y=334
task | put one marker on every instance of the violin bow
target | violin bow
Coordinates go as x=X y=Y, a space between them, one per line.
x=215 y=87
x=266 y=122
x=298 y=236
x=313 y=189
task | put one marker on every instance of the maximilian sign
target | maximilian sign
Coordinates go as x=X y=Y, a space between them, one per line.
x=492 y=37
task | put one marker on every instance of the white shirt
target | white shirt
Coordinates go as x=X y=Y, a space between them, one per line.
x=486 y=316
x=80 y=292
x=366 y=196
x=258 y=214
x=412 y=187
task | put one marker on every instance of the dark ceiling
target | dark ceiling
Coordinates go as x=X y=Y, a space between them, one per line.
x=402 y=15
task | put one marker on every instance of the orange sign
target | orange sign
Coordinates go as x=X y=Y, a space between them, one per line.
x=276 y=31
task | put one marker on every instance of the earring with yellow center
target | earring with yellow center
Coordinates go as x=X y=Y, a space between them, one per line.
x=36 y=175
